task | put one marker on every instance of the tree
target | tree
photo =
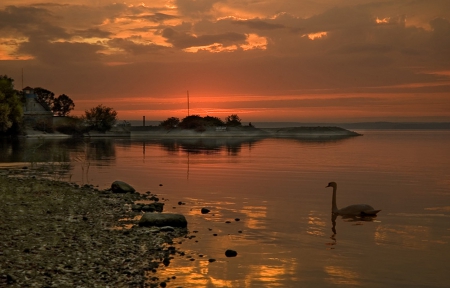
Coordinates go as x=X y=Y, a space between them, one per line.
x=192 y=122
x=233 y=120
x=45 y=97
x=100 y=118
x=62 y=105
x=170 y=122
x=10 y=107
x=213 y=121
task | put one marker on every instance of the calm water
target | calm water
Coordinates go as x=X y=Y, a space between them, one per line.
x=276 y=187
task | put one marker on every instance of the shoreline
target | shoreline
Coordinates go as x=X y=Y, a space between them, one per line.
x=152 y=132
x=60 y=234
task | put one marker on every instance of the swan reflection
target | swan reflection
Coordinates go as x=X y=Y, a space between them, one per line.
x=346 y=218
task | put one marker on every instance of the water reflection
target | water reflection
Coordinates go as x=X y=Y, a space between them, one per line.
x=47 y=158
x=283 y=237
x=342 y=276
x=357 y=220
x=104 y=149
x=232 y=146
x=51 y=150
x=407 y=236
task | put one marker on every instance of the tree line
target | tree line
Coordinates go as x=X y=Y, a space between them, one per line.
x=199 y=123
x=100 y=118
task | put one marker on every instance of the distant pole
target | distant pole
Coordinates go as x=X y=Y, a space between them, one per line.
x=22 y=78
x=143 y=121
x=188 y=101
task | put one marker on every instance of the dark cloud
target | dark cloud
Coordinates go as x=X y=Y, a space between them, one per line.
x=258 y=24
x=157 y=17
x=195 y=7
x=61 y=53
x=30 y=21
x=134 y=48
x=365 y=48
x=93 y=32
x=184 y=40
x=441 y=34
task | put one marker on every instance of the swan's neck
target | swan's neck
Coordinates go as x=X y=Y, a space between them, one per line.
x=333 y=203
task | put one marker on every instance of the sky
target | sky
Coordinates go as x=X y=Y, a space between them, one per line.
x=264 y=60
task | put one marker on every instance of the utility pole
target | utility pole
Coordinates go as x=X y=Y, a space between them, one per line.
x=188 y=101
x=22 y=78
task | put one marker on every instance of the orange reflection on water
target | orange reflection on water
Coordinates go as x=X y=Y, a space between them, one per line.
x=271 y=275
x=439 y=209
x=315 y=225
x=256 y=216
x=342 y=276
x=408 y=236
x=199 y=274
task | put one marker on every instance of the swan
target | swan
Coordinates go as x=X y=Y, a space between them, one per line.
x=352 y=210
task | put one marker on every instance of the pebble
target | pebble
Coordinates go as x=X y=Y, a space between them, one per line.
x=230 y=253
x=79 y=242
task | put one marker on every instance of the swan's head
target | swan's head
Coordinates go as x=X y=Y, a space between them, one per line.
x=332 y=184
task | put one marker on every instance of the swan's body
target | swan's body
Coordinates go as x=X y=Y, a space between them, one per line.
x=352 y=210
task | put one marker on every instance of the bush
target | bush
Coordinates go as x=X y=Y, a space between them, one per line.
x=213 y=121
x=233 y=120
x=192 y=122
x=170 y=123
x=100 y=118
x=73 y=126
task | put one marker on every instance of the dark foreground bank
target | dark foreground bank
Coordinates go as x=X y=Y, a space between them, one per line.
x=56 y=234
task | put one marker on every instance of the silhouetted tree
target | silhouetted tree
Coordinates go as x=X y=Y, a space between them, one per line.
x=62 y=105
x=233 y=120
x=101 y=118
x=45 y=97
x=192 y=122
x=213 y=121
x=170 y=122
x=10 y=107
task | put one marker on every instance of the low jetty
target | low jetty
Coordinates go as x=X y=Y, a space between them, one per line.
x=244 y=131
x=250 y=132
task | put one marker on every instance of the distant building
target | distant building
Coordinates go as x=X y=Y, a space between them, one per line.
x=35 y=113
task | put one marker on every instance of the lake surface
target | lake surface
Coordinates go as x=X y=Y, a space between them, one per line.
x=286 y=236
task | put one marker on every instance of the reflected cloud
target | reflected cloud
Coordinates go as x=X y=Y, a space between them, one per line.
x=220 y=274
x=439 y=209
x=255 y=216
x=407 y=236
x=272 y=275
x=342 y=276
x=315 y=225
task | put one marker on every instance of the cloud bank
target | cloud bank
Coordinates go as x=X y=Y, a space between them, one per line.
x=354 y=59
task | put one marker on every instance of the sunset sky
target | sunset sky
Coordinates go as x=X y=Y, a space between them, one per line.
x=265 y=60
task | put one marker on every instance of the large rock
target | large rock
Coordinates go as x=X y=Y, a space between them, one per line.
x=162 y=219
x=122 y=187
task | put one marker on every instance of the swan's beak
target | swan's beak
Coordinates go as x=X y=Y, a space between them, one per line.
x=327 y=186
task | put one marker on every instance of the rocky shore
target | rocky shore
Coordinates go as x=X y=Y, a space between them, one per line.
x=57 y=234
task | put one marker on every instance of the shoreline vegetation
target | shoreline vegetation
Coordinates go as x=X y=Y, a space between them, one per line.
x=60 y=234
